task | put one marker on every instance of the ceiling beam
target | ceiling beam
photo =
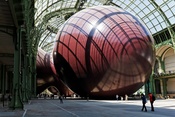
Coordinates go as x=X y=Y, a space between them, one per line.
x=13 y=13
x=6 y=55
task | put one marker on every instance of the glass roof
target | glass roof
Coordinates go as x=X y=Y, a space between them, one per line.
x=149 y=12
x=157 y=15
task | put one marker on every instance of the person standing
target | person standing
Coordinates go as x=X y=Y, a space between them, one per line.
x=126 y=97
x=61 y=100
x=151 y=101
x=144 y=101
x=116 y=97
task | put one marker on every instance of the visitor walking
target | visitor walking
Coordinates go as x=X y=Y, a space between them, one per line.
x=60 y=98
x=151 y=99
x=144 y=101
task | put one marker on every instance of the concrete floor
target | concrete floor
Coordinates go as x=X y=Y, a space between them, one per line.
x=91 y=108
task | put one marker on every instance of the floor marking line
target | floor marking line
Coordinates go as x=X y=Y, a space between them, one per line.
x=24 y=113
x=64 y=109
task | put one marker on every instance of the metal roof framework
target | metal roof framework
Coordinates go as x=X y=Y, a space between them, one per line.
x=14 y=15
x=157 y=15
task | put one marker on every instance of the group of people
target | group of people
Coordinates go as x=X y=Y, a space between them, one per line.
x=144 y=101
x=122 y=98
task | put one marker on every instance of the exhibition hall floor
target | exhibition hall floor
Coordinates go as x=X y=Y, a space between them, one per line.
x=90 y=108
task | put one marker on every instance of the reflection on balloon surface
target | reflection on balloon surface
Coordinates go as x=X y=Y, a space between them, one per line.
x=103 y=51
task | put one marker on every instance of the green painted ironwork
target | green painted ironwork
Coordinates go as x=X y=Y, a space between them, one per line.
x=24 y=81
x=32 y=36
x=3 y=76
x=1 y=72
x=16 y=102
x=171 y=32
x=164 y=81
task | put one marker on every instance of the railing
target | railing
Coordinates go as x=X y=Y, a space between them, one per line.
x=167 y=73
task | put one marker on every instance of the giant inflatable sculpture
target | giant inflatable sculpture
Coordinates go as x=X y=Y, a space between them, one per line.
x=102 y=51
x=47 y=77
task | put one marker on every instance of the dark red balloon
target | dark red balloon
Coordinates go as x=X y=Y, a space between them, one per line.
x=46 y=75
x=103 y=51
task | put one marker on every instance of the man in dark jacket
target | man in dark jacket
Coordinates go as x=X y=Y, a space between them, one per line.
x=143 y=102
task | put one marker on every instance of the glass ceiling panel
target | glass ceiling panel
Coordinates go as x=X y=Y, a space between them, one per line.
x=172 y=20
x=44 y=7
x=146 y=10
x=44 y=11
x=141 y=14
x=143 y=9
x=56 y=22
x=169 y=10
x=47 y=40
x=90 y=3
x=159 y=2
